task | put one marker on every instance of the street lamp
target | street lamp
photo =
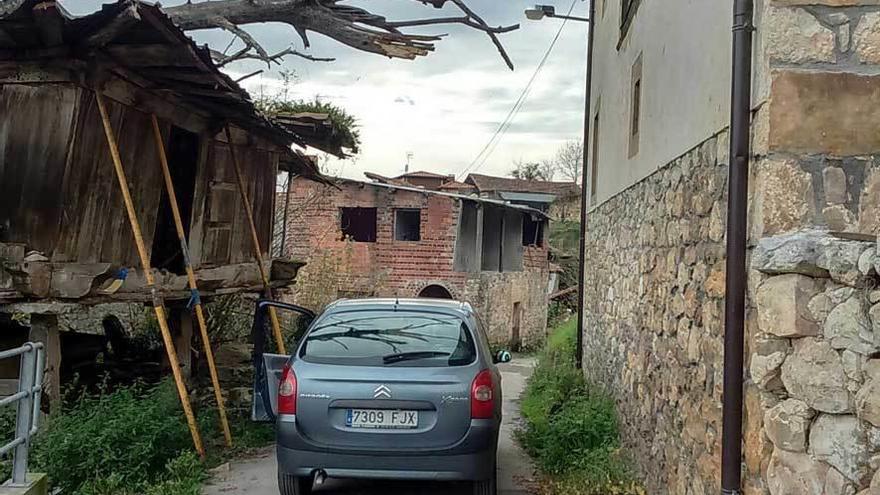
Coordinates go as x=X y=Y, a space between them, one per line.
x=542 y=11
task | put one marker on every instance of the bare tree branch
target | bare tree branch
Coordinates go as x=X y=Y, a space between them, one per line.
x=352 y=26
x=244 y=54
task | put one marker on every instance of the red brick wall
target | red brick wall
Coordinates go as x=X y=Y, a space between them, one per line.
x=404 y=267
x=398 y=268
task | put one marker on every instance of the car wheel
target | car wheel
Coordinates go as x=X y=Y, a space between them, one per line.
x=294 y=485
x=485 y=487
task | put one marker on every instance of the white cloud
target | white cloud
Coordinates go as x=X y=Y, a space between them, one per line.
x=445 y=107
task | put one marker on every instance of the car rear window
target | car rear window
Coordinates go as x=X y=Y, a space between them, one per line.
x=390 y=338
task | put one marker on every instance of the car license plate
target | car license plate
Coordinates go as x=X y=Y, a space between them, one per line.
x=382 y=419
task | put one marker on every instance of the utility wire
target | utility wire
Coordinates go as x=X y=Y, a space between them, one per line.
x=486 y=152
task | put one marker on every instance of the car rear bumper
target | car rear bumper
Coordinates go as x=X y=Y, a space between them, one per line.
x=472 y=458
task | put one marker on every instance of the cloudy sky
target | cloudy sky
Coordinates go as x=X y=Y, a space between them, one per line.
x=442 y=108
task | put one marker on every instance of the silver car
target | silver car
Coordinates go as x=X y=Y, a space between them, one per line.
x=403 y=389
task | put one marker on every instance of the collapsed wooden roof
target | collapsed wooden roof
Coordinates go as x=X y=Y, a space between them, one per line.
x=137 y=42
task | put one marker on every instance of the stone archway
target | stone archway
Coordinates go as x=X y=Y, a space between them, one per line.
x=435 y=292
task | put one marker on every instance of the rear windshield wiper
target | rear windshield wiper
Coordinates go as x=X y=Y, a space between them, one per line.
x=408 y=356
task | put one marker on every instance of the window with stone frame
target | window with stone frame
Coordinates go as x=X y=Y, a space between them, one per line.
x=635 y=111
x=628 y=10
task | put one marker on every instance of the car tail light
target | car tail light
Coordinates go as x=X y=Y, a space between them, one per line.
x=287 y=391
x=482 y=396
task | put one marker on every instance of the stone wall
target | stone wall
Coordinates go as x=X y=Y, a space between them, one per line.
x=815 y=376
x=654 y=310
x=655 y=290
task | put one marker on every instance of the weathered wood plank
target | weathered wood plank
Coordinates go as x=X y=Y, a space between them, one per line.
x=155 y=55
x=34 y=130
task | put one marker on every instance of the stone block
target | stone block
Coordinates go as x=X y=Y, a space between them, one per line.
x=839 y=218
x=792 y=473
x=848 y=327
x=787 y=424
x=803 y=118
x=783 y=197
x=793 y=35
x=834 y=179
x=866 y=38
x=869 y=205
x=37 y=484
x=814 y=374
x=782 y=303
x=765 y=370
x=841 y=441
x=811 y=252
x=868 y=402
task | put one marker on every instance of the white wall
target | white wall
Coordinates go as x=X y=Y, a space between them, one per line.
x=686 y=59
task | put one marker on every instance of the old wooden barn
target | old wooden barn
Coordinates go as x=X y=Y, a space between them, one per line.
x=64 y=232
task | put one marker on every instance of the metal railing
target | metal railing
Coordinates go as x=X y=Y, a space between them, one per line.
x=30 y=385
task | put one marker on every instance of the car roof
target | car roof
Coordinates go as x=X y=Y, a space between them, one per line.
x=401 y=303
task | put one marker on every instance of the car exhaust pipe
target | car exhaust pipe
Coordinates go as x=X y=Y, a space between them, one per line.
x=320 y=477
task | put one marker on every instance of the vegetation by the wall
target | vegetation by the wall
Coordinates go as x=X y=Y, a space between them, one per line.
x=570 y=426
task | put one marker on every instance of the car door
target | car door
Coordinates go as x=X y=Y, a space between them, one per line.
x=268 y=365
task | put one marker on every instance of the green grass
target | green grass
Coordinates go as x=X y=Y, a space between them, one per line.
x=134 y=440
x=570 y=425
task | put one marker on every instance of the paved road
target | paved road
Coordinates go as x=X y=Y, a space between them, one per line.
x=257 y=476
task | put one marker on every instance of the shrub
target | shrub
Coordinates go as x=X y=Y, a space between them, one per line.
x=570 y=426
x=113 y=442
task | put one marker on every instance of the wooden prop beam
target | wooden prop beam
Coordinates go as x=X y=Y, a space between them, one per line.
x=148 y=275
x=191 y=278
x=258 y=252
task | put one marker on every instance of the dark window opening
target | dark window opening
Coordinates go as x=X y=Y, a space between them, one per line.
x=533 y=232
x=636 y=107
x=628 y=10
x=358 y=224
x=408 y=225
x=594 y=166
x=183 y=159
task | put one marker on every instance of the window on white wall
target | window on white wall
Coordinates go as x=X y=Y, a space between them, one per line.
x=594 y=160
x=628 y=10
x=635 y=113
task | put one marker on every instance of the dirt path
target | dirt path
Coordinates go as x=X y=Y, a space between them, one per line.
x=257 y=475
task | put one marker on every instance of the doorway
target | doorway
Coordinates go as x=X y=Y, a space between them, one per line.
x=515 y=340
x=183 y=158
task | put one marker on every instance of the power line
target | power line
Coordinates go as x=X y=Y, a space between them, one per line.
x=486 y=152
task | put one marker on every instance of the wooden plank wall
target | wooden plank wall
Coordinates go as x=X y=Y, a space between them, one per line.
x=95 y=227
x=36 y=128
x=220 y=232
x=59 y=195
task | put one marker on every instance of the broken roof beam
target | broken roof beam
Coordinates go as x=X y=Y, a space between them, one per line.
x=121 y=23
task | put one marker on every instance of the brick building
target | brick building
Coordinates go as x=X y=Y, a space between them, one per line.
x=363 y=239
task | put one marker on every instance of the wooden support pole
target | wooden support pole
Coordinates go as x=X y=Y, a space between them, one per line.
x=258 y=252
x=148 y=276
x=191 y=278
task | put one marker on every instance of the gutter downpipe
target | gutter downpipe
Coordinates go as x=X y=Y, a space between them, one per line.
x=579 y=352
x=737 y=237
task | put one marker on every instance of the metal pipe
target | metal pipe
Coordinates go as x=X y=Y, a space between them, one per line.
x=737 y=236
x=24 y=416
x=579 y=352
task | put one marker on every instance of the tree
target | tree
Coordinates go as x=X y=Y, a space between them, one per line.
x=352 y=26
x=569 y=160
x=532 y=171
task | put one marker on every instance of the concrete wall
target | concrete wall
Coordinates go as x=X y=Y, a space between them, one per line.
x=342 y=268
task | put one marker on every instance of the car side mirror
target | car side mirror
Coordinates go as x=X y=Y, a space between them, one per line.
x=502 y=357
